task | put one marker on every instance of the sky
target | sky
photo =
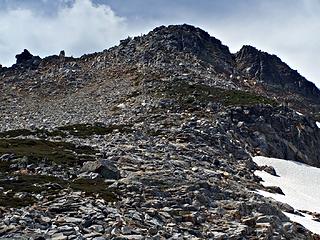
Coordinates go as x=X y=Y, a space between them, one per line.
x=287 y=28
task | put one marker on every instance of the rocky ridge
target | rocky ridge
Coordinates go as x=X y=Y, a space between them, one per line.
x=277 y=76
x=151 y=139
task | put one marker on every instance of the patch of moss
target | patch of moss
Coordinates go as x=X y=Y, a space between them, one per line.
x=85 y=130
x=52 y=133
x=41 y=133
x=78 y=130
x=11 y=202
x=36 y=184
x=187 y=94
x=94 y=187
x=30 y=184
x=16 y=133
x=62 y=153
x=4 y=166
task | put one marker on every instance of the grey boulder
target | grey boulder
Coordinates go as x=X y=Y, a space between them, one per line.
x=104 y=168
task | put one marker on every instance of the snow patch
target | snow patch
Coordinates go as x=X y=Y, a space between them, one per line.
x=305 y=221
x=299 y=113
x=300 y=184
x=318 y=124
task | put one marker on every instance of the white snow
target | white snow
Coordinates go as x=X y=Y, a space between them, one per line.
x=299 y=113
x=318 y=124
x=299 y=182
x=305 y=221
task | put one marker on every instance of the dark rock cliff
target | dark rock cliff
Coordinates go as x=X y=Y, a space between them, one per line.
x=271 y=71
x=278 y=132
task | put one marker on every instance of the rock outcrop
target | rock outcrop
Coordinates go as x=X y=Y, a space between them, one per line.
x=27 y=60
x=24 y=56
x=278 y=132
x=104 y=168
x=273 y=73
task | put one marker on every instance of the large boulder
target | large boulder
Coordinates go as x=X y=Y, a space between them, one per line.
x=27 y=60
x=104 y=168
x=62 y=54
x=24 y=56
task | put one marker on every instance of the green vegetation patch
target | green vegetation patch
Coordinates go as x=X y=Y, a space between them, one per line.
x=94 y=187
x=85 y=130
x=4 y=167
x=16 y=133
x=48 y=186
x=36 y=151
x=41 y=133
x=78 y=130
x=187 y=94
x=27 y=185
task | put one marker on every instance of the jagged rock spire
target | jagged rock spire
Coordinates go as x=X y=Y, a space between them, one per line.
x=24 y=56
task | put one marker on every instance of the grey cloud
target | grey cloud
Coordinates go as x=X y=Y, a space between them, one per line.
x=79 y=28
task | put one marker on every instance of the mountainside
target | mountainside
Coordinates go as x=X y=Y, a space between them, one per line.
x=152 y=139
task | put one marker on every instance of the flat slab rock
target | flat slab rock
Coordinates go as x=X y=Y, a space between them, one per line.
x=104 y=168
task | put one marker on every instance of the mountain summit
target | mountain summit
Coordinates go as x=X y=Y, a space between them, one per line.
x=175 y=50
x=153 y=139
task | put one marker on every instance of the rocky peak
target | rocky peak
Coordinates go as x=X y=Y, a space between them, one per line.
x=62 y=54
x=24 y=56
x=247 y=52
x=193 y=40
x=26 y=59
x=172 y=52
x=175 y=44
x=186 y=37
x=271 y=71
